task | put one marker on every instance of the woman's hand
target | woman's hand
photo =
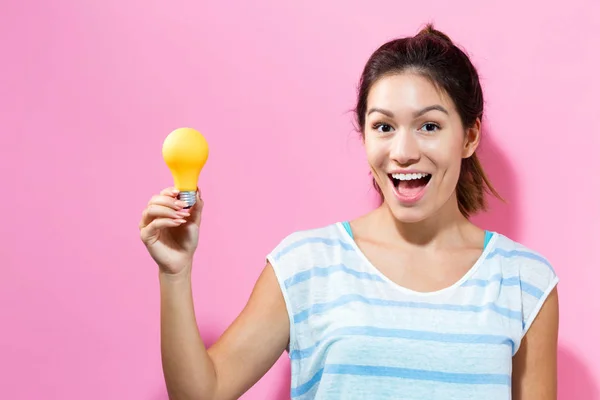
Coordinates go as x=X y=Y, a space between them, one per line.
x=170 y=231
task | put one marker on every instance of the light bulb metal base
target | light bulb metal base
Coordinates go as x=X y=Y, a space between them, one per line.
x=189 y=197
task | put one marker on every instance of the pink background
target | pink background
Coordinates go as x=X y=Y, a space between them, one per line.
x=89 y=90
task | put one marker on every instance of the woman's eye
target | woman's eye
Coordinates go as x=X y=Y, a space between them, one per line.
x=383 y=128
x=430 y=127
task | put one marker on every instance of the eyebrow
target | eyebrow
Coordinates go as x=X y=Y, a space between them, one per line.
x=415 y=114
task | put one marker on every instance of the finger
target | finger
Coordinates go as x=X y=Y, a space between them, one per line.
x=155 y=211
x=170 y=191
x=167 y=201
x=196 y=209
x=151 y=230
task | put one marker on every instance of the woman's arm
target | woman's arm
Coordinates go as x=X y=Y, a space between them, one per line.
x=241 y=356
x=535 y=364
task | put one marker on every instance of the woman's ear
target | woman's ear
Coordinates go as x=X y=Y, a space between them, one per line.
x=472 y=139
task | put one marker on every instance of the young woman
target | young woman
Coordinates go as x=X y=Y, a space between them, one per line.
x=412 y=300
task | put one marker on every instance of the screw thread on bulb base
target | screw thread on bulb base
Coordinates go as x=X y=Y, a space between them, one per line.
x=189 y=197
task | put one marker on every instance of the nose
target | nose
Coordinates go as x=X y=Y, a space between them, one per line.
x=405 y=148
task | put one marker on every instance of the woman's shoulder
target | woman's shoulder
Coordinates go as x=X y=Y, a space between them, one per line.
x=511 y=252
x=525 y=270
x=300 y=251
x=517 y=265
x=306 y=239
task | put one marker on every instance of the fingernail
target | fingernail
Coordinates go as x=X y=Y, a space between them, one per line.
x=181 y=204
x=175 y=191
x=183 y=213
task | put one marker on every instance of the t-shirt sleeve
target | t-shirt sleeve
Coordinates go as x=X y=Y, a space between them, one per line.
x=284 y=268
x=280 y=260
x=538 y=279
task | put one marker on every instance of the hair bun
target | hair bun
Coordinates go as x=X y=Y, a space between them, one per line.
x=430 y=31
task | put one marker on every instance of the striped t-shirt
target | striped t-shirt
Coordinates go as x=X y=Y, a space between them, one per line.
x=355 y=334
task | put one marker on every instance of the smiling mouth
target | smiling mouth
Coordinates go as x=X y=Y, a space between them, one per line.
x=409 y=186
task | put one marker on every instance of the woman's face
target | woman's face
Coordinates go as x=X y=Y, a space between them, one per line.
x=415 y=143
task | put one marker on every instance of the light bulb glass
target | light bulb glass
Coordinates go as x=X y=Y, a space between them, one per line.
x=185 y=152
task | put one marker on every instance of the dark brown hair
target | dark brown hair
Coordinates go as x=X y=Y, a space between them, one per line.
x=432 y=54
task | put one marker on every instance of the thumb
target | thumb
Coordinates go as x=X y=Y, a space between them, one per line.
x=196 y=209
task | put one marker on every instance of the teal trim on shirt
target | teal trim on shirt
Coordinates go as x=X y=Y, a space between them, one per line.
x=348 y=229
x=486 y=240
x=488 y=237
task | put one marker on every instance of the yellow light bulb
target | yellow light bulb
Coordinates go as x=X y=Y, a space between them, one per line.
x=185 y=152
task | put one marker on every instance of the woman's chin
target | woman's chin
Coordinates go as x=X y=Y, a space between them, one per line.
x=410 y=215
x=418 y=210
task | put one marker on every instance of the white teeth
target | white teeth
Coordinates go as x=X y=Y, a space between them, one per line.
x=408 y=177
